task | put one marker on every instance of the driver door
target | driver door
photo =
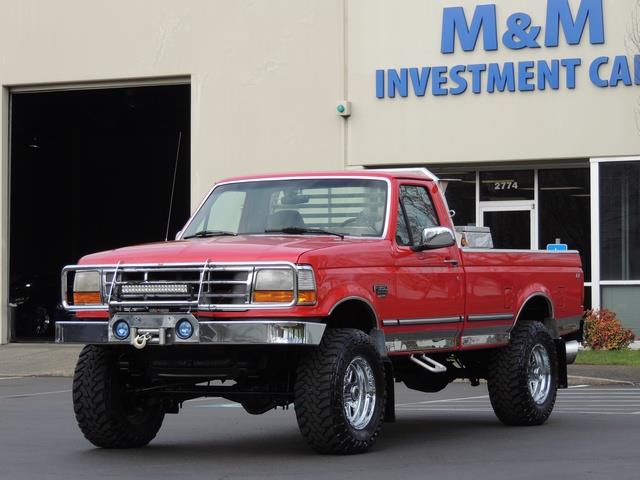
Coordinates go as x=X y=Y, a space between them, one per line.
x=430 y=283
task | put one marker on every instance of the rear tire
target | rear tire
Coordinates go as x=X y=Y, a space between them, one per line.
x=340 y=393
x=106 y=415
x=523 y=376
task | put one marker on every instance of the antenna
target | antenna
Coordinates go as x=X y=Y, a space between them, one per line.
x=173 y=184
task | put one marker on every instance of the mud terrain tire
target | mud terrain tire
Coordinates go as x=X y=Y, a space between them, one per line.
x=523 y=376
x=340 y=393
x=105 y=415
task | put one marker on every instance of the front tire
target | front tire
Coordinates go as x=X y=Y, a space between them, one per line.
x=340 y=393
x=107 y=415
x=523 y=376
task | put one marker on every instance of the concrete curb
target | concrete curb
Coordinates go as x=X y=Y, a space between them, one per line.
x=579 y=380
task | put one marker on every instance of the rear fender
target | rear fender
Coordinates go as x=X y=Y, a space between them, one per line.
x=531 y=300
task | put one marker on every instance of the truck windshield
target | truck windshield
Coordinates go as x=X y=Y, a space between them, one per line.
x=348 y=206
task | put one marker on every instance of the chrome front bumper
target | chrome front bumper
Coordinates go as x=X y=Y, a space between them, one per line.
x=160 y=330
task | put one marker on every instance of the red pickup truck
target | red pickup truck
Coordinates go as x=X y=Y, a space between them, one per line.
x=319 y=290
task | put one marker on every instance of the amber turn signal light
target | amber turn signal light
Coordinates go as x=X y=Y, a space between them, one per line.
x=273 y=296
x=86 y=298
x=307 y=297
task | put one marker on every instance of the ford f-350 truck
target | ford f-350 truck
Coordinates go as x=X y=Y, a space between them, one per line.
x=319 y=290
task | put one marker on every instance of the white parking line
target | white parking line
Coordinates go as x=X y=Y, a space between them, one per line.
x=591 y=401
x=24 y=395
x=10 y=378
x=581 y=401
x=637 y=390
x=220 y=405
x=443 y=400
x=601 y=393
x=582 y=411
x=440 y=409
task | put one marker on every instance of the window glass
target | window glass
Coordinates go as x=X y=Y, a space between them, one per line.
x=506 y=185
x=625 y=301
x=226 y=212
x=402 y=232
x=419 y=210
x=587 y=298
x=565 y=211
x=620 y=220
x=509 y=228
x=351 y=206
x=461 y=195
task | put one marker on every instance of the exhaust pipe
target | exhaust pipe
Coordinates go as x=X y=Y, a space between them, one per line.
x=572 y=351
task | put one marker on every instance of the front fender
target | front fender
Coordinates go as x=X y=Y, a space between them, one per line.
x=335 y=288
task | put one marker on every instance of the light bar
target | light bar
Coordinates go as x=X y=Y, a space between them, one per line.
x=154 y=288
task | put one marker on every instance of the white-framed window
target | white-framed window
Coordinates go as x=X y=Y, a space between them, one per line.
x=615 y=219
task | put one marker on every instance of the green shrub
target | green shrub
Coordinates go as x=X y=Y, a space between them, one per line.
x=603 y=331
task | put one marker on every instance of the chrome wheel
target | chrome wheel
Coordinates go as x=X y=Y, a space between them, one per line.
x=539 y=373
x=359 y=393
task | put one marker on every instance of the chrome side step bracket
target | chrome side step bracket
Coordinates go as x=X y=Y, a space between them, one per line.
x=428 y=363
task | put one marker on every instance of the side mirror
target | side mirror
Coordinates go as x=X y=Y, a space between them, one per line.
x=435 y=237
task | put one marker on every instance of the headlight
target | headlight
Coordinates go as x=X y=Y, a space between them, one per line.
x=271 y=279
x=273 y=286
x=86 y=288
x=278 y=286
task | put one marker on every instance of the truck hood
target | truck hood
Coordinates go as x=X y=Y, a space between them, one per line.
x=242 y=248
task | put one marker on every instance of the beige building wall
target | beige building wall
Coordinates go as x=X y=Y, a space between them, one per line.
x=265 y=75
x=581 y=123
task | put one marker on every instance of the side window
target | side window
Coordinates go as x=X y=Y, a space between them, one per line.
x=419 y=210
x=402 y=232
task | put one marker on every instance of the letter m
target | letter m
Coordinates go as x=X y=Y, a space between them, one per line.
x=559 y=14
x=454 y=22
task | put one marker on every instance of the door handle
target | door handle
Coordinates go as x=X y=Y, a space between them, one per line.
x=451 y=261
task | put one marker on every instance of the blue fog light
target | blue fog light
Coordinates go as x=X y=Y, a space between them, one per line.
x=121 y=329
x=184 y=329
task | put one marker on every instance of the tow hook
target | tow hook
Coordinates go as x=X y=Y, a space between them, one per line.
x=140 y=341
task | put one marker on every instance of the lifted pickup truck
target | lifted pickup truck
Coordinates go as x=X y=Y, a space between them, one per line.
x=318 y=290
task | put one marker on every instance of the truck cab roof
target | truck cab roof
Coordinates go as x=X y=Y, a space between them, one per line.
x=420 y=174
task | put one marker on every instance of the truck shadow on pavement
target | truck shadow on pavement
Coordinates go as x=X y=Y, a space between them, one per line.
x=433 y=431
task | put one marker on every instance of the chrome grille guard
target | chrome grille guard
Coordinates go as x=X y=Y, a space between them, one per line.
x=204 y=286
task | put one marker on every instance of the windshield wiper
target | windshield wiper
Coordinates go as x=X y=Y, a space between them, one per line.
x=211 y=233
x=303 y=230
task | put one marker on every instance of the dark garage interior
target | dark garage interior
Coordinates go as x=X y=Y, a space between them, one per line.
x=90 y=170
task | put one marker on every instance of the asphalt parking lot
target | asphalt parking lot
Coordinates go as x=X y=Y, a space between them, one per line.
x=594 y=432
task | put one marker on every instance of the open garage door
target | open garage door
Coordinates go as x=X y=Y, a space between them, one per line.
x=90 y=170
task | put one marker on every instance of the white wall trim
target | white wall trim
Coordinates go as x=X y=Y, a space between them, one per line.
x=535 y=220
x=101 y=84
x=594 y=178
x=479 y=219
x=615 y=159
x=5 y=116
